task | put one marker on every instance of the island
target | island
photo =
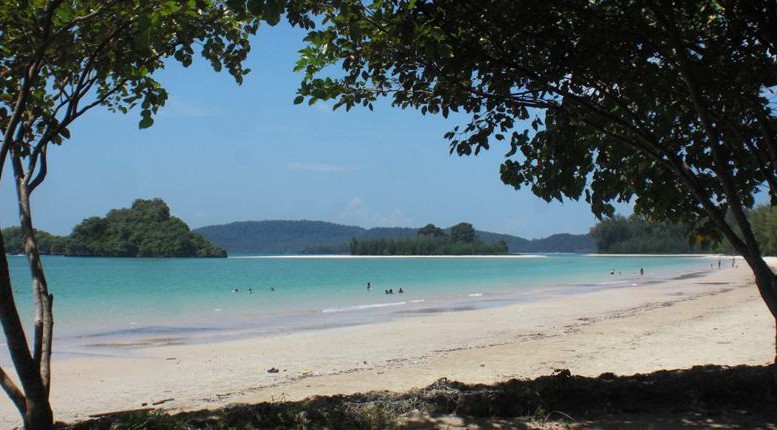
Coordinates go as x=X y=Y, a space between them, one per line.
x=460 y=239
x=144 y=230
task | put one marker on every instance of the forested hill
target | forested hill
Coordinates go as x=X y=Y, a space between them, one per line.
x=318 y=237
x=144 y=230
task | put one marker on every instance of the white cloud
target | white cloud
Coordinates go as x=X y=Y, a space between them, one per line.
x=395 y=218
x=179 y=108
x=320 y=167
x=355 y=212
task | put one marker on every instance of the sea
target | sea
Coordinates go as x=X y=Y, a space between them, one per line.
x=101 y=304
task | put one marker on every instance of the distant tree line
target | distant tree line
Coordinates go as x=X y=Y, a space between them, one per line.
x=637 y=235
x=144 y=230
x=334 y=249
x=317 y=237
x=431 y=240
x=763 y=221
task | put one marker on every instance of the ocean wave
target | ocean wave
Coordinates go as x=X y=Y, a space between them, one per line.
x=618 y=282
x=475 y=295
x=362 y=307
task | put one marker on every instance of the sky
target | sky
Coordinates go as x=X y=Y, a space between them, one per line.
x=219 y=153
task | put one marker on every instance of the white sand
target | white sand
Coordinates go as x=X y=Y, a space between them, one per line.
x=718 y=318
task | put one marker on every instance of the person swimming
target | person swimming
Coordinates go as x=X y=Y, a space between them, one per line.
x=400 y=291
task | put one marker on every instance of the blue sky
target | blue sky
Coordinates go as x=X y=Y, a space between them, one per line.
x=219 y=153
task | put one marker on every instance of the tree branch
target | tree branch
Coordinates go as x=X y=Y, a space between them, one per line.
x=13 y=391
x=42 y=172
x=33 y=69
x=750 y=246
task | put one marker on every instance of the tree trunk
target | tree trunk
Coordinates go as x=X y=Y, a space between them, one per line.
x=33 y=405
x=38 y=415
x=13 y=329
x=44 y=321
x=766 y=281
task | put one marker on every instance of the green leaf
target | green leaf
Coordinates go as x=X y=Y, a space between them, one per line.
x=255 y=7
x=272 y=10
x=146 y=122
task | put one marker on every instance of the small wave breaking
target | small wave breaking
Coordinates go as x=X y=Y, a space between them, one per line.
x=362 y=307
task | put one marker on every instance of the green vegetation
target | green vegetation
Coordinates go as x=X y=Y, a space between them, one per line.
x=61 y=59
x=431 y=240
x=48 y=244
x=277 y=237
x=764 y=222
x=317 y=237
x=668 y=105
x=635 y=235
x=144 y=230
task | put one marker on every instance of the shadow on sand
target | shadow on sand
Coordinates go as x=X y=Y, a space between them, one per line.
x=742 y=397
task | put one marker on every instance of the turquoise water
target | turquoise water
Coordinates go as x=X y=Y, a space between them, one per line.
x=124 y=297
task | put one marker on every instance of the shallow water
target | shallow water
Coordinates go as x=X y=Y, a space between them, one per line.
x=101 y=302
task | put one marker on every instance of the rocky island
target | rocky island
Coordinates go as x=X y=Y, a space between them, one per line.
x=144 y=230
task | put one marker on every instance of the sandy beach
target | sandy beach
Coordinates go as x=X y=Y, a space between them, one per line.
x=715 y=318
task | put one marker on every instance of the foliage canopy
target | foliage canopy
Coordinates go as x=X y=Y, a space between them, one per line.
x=635 y=235
x=144 y=230
x=663 y=104
x=666 y=105
x=58 y=60
x=430 y=240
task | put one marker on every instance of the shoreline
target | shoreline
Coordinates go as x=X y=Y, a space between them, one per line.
x=715 y=318
x=131 y=340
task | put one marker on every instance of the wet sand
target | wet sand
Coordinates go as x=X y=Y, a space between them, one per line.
x=716 y=317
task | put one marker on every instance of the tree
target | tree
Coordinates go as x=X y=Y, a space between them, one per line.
x=637 y=235
x=463 y=232
x=14 y=241
x=60 y=59
x=144 y=230
x=764 y=220
x=431 y=231
x=669 y=105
